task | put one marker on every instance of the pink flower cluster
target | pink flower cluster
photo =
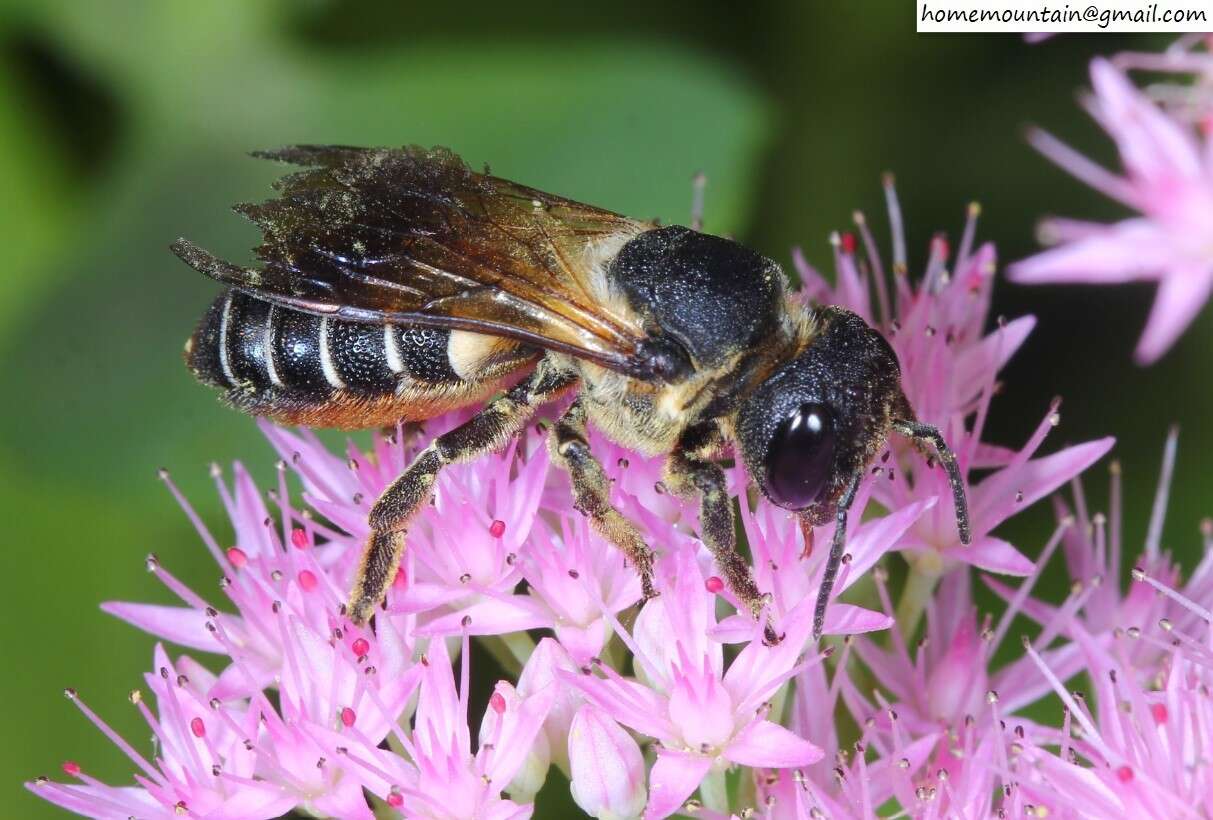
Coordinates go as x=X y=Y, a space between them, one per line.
x=1164 y=136
x=678 y=705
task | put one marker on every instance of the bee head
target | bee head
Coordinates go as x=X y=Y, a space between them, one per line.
x=818 y=420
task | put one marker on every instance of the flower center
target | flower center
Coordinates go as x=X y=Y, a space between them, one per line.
x=703 y=712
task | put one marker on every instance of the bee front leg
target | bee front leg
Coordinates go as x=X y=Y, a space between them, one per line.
x=688 y=473
x=592 y=493
x=399 y=504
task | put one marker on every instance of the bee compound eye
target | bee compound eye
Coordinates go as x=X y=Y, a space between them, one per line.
x=801 y=456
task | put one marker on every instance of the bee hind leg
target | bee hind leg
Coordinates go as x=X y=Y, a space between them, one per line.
x=570 y=450
x=485 y=432
x=688 y=472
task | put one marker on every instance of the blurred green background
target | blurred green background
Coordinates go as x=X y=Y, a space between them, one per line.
x=125 y=124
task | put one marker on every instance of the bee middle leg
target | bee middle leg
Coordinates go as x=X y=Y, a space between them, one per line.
x=485 y=432
x=688 y=472
x=570 y=450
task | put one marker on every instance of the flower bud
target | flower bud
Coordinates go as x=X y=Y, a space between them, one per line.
x=607 y=767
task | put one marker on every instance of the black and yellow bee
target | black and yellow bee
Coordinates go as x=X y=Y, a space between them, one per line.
x=398 y=284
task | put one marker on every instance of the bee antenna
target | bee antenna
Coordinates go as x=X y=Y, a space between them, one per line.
x=698 y=183
x=926 y=433
x=834 y=559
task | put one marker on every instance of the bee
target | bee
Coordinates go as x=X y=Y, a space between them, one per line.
x=398 y=284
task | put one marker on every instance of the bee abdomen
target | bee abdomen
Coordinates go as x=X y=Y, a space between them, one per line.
x=269 y=357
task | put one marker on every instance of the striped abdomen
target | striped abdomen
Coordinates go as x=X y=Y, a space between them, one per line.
x=304 y=369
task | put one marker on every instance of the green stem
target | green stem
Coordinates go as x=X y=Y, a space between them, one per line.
x=715 y=791
x=920 y=584
x=520 y=645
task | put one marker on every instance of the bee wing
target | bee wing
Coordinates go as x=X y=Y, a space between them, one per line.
x=413 y=235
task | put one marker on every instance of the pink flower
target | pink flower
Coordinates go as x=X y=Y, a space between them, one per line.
x=286 y=602
x=1190 y=60
x=1168 y=178
x=1106 y=611
x=1126 y=749
x=217 y=759
x=781 y=566
x=703 y=715
x=575 y=580
x=438 y=775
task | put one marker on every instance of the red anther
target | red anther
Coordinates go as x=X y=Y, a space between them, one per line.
x=713 y=584
x=1124 y=774
x=497 y=701
x=237 y=557
x=71 y=768
x=198 y=727
x=941 y=246
x=361 y=646
x=299 y=539
x=395 y=800
x=497 y=528
x=348 y=717
x=848 y=243
x=307 y=580
x=402 y=578
x=1159 y=711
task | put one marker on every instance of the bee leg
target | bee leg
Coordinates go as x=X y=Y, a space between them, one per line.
x=485 y=432
x=688 y=474
x=834 y=559
x=592 y=493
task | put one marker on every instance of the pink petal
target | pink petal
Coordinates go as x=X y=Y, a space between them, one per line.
x=507 y=810
x=1181 y=295
x=1129 y=250
x=1033 y=609
x=583 y=643
x=874 y=538
x=1021 y=683
x=344 y=799
x=765 y=744
x=1083 y=785
x=1093 y=174
x=995 y=555
x=181 y=625
x=889 y=668
x=990 y=354
x=492 y=616
x=845 y=619
x=1014 y=489
x=628 y=702
x=674 y=777
x=733 y=629
x=1152 y=144
x=519 y=726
